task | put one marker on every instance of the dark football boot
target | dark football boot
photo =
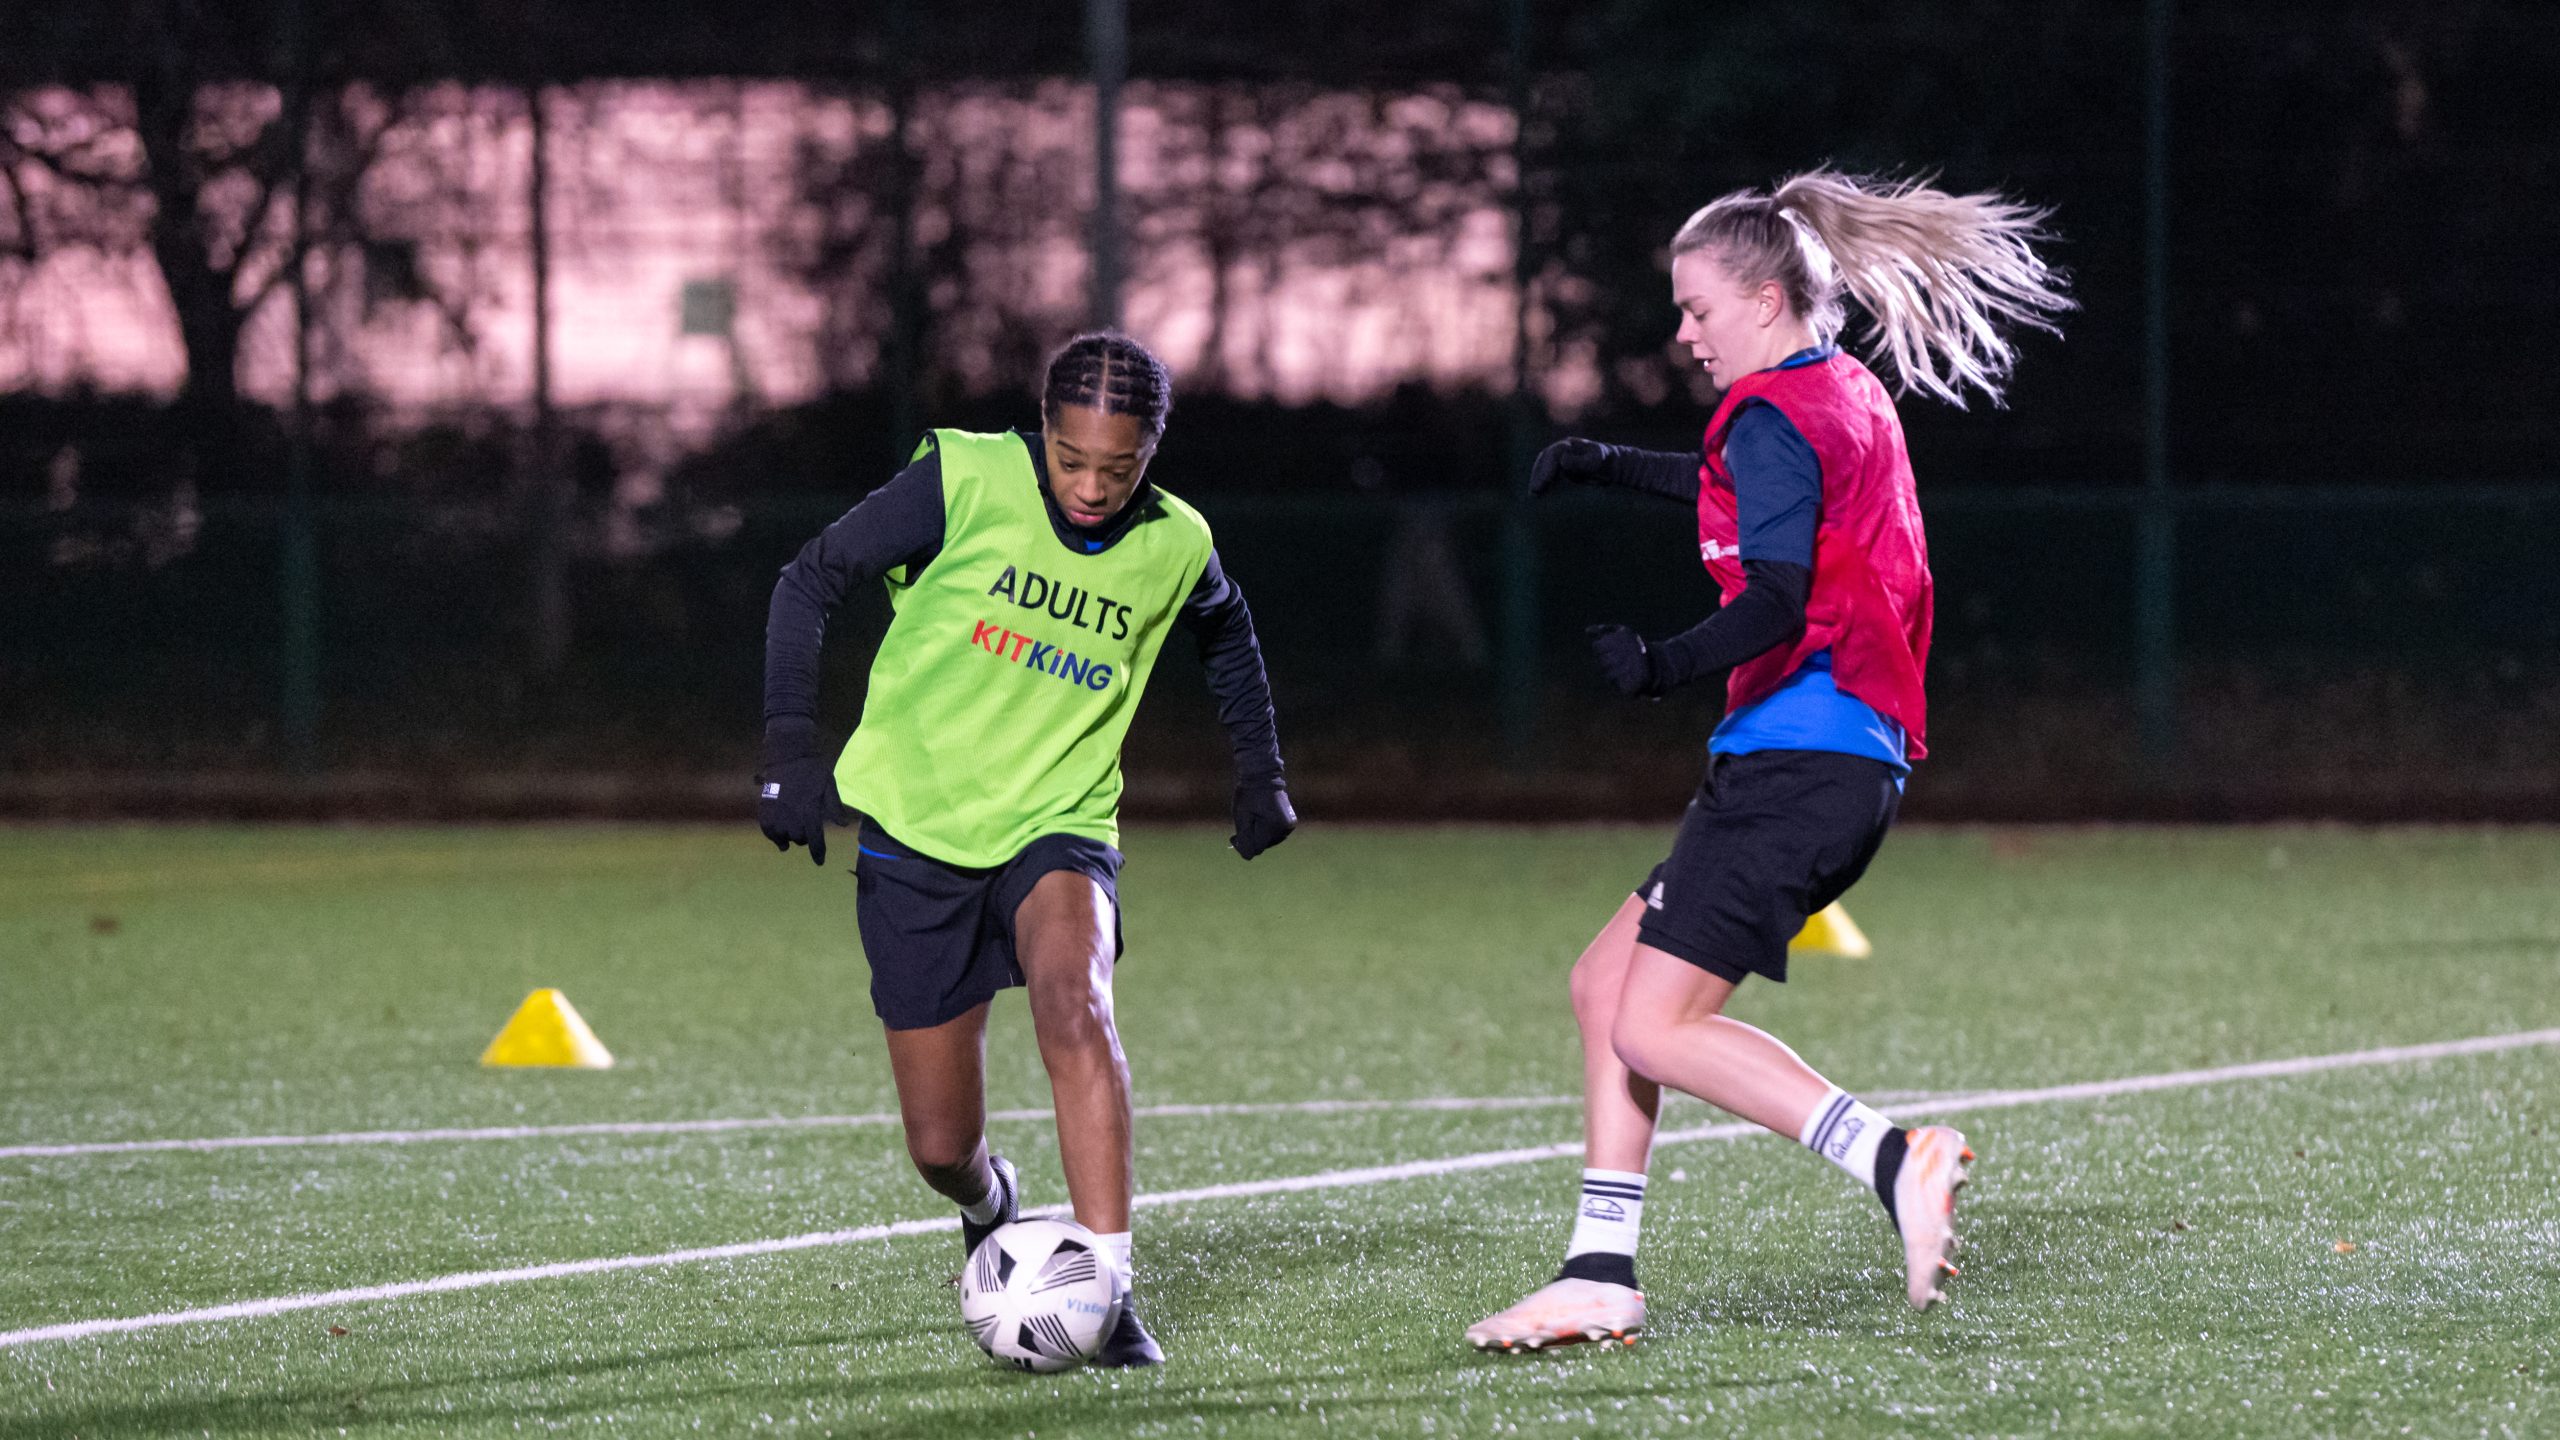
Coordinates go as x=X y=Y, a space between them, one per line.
x=1010 y=1211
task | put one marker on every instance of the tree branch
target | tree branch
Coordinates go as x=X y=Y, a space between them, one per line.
x=342 y=188
x=19 y=205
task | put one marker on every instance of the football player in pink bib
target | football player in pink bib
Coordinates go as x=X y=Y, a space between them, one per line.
x=1808 y=520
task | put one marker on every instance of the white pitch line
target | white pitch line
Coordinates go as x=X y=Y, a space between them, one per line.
x=472 y=1280
x=755 y=1122
x=1284 y=1185
x=2256 y=1070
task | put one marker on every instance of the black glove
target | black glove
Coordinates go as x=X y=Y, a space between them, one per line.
x=1630 y=664
x=1579 y=460
x=1264 y=818
x=796 y=789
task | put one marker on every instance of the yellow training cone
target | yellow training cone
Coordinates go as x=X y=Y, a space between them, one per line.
x=1831 y=931
x=547 y=1030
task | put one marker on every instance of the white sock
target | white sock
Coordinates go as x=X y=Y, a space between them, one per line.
x=1117 y=1253
x=1846 y=1133
x=1612 y=1210
x=991 y=1204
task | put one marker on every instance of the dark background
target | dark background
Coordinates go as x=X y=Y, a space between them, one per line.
x=2282 y=547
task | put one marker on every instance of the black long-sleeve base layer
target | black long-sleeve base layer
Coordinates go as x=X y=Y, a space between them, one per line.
x=1779 y=492
x=898 y=527
x=1769 y=612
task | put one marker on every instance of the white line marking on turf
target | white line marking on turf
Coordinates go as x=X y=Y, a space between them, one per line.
x=2256 y=1070
x=757 y=1122
x=1284 y=1185
x=472 y=1280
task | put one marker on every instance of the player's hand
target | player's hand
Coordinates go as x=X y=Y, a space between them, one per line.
x=1629 y=663
x=1264 y=818
x=795 y=791
x=1576 y=459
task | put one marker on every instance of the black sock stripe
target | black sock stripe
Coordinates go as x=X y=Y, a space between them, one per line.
x=1831 y=1118
x=1822 y=1125
x=1613 y=1187
x=1635 y=1195
x=1848 y=1103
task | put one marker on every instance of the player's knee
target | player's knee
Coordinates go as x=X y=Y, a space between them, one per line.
x=1637 y=1041
x=1594 y=986
x=942 y=1155
x=1071 y=1014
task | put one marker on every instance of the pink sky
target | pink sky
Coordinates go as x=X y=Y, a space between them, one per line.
x=656 y=185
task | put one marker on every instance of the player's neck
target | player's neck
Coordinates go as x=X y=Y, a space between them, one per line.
x=1784 y=341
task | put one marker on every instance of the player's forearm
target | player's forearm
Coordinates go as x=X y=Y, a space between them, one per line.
x=1778 y=500
x=1238 y=682
x=795 y=619
x=795 y=632
x=1670 y=474
x=1769 y=612
x=1231 y=653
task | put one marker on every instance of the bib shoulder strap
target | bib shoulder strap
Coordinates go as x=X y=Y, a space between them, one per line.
x=1191 y=526
x=977 y=456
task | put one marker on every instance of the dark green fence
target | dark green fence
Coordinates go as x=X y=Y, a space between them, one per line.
x=2338 y=651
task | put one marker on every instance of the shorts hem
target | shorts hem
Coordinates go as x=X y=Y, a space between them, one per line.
x=1704 y=957
x=940 y=938
x=944 y=1014
x=1071 y=856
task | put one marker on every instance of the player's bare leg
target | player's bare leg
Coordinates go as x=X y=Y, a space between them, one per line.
x=1064 y=933
x=941 y=1075
x=1619 y=1108
x=1671 y=1027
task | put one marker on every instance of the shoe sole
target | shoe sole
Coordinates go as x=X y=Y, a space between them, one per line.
x=1928 y=1153
x=1595 y=1333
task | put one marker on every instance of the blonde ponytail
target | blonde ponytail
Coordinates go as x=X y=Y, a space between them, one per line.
x=1939 y=275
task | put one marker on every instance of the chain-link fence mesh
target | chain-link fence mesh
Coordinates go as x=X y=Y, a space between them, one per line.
x=443 y=531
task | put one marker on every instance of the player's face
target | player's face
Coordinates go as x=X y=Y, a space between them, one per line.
x=1095 y=461
x=1727 y=328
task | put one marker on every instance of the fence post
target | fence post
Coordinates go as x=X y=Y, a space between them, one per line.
x=1107 y=42
x=298 y=570
x=1519 y=657
x=2156 y=535
x=548 y=508
x=906 y=290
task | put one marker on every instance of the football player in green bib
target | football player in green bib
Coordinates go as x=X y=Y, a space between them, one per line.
x=1033 y=580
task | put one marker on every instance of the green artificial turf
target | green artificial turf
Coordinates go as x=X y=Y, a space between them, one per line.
x=2166 y=1263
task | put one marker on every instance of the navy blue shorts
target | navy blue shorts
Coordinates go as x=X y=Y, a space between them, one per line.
x=1770 y=838
x=940 y=937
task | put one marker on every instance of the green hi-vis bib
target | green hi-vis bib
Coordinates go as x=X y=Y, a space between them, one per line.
x=1003 y=690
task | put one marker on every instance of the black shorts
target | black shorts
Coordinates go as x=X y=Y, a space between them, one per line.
x=1770 y=838
x=940 y=937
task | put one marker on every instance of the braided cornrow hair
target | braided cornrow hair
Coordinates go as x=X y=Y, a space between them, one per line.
x=1107 y=371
